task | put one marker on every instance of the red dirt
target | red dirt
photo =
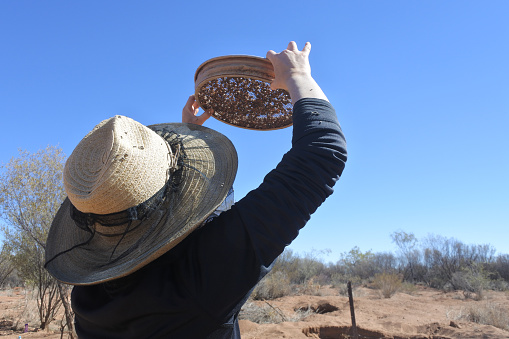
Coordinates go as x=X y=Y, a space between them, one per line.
x=426 y=313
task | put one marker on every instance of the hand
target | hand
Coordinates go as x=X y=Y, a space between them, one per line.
x=289 y=63
x=293 y=73
x=190 y=111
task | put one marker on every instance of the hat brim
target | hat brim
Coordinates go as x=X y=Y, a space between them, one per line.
x=209 y=172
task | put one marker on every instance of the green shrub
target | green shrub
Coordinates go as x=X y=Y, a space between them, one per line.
x=473 y=280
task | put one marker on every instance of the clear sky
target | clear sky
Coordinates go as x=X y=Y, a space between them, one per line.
x=421 y=89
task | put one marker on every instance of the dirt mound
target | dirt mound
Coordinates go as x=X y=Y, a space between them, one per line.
x=424 y=314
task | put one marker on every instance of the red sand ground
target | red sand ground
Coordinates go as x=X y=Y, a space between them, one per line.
x=426 y=313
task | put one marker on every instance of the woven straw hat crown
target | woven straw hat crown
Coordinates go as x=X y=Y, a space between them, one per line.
x=118 y=165
x=131 y=199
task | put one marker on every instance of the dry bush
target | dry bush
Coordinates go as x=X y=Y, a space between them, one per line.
x=30 y=313
x=499 y=285
x=342 y=289
x=274 y=285
x=486 y=313
x=340 y=281
x=300 y=269
x=268 y=314
x=23 y=310
x=387 y=283
x=300 y=315
x=357 y=291
x=408 y=288
x=264 y=314
x=310 y=287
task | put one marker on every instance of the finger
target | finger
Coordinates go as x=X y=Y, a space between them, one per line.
x=190 y=101
x=292 y=46
x=195 y=107
x=307 y=48
x=202 y=118
x=270 y=54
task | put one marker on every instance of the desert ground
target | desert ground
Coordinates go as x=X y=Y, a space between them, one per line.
x=422 y=313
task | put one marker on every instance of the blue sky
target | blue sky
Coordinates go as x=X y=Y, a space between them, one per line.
x=421 y=89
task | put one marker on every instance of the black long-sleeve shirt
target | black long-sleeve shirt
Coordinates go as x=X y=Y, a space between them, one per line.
x=197 y=289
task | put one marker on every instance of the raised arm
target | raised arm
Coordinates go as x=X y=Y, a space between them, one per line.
x=293 y=73
x=258 y=227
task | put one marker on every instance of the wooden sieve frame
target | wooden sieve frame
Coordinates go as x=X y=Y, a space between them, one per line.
x=234 y=66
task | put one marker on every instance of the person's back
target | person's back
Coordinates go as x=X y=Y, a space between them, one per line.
x=197 y=288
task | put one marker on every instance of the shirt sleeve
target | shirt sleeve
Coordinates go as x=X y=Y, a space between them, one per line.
x=228 y=256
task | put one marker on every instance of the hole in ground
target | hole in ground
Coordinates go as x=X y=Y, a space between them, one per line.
x=342 y=332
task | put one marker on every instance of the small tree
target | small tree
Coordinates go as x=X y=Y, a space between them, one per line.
x=409 y=254
x=31 y=192
x=444 y=257
x=6 y=266
x=356 y=264
x=501 y=265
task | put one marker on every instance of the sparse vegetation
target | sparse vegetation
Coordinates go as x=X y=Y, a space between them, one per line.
x=486 y=313
x=310 y=287
x=273 y=286
x=408 y=288
x=473 y=280
x=264 y=314
x=268 y=314
x=436 y=262
x=387 y=283
x=6 y=266
x=30 y=193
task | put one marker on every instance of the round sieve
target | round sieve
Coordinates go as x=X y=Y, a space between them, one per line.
x=237 y=88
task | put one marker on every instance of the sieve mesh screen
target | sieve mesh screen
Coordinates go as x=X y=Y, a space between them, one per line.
x=246 y=102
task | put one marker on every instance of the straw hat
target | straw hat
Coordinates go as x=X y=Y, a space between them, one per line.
x=133 y=193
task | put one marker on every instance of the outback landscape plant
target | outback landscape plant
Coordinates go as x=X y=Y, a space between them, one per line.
x=31 y=191
x=387 y=283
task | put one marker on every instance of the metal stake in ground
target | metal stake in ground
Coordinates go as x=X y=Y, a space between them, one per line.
x=352 y=311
